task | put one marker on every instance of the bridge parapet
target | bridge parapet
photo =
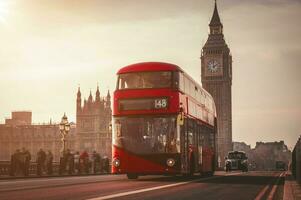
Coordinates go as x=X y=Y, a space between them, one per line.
x=296 y=161
x=5 y=170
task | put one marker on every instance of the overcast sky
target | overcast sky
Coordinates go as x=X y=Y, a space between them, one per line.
x=49 y=47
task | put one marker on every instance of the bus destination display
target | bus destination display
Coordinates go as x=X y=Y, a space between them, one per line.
x=143 y=104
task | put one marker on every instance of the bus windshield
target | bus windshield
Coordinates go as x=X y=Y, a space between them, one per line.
x=145 y=135
x=237 y=155
x=142 y=80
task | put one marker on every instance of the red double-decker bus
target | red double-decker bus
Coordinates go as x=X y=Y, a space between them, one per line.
x=163 y=122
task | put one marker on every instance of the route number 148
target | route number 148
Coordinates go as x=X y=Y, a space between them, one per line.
x=160 y=103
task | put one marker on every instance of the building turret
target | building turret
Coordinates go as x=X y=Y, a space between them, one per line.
x=90 y=99
x=85 y=105
x=216 y=27
x=108 y=102
x=93 y=122
x=97 y=97
x=79 y=93
x=78 y=101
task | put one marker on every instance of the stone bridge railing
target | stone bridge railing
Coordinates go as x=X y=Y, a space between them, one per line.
x=5 y=170
x=296 y=161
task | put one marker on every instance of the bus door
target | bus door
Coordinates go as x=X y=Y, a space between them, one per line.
x=203 y=148
x=184 y=146
x=200 y=141
x=192 y=145
x=207 y=139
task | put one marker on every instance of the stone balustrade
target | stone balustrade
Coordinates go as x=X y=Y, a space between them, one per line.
x=296 y=161
x=5 y=170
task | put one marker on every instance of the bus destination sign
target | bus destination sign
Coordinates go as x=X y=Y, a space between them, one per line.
x=143 y=104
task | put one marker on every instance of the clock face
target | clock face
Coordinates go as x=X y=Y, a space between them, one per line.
x=213 y=65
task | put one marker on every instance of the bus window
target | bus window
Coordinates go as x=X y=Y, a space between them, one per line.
x=146 y=135
x=202 y=98
x=175 y=81
x=192 y=132
x=198 y=95
x=202 y=136
x=186 y=85
x=191 y=89
x=181 y=82
x=142 y=80
x=212 y=139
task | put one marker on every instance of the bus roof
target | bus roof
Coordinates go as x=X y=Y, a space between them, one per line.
x=159 y=66
x=149 y=66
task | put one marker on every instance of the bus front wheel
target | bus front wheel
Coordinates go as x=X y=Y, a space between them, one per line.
x=132 y=176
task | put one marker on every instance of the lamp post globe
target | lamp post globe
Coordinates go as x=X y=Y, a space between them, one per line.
x=64 y=127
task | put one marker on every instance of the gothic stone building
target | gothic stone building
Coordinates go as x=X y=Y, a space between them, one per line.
x=241 y=146
x=265 y=154
x=92 y=131
x=19 y=132
x=216 y=76
x=93 y=120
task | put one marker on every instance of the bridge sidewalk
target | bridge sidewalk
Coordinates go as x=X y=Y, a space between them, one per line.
x=6 y=177
x=292 y=190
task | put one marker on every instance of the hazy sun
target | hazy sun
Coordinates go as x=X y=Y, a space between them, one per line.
x=3 y=10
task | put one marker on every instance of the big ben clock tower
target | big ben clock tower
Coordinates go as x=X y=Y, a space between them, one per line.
x=217 y=80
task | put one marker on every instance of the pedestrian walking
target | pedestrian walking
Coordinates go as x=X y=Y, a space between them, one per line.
x=84 y=159
x=49 y=159
x=41 y=157
x=70 y=160
x=26 y=157
x=14 y=163
x=62 y=163
x=96 y=162
x=106 y=164
x=76 y=162
x=22 y=161
x=93 y=163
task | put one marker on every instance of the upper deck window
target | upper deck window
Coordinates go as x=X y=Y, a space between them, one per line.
x=144 y=80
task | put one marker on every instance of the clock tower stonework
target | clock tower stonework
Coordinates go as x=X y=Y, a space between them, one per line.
x=217 y=80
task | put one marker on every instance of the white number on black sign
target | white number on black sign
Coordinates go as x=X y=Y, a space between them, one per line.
x=160 y=103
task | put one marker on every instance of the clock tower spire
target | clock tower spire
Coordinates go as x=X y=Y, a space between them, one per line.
x=216 y=67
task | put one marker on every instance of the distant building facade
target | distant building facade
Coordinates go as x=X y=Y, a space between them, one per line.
x=93 y=119
x=19 y=118
x=241 y=146
x=92 y=131
x=33 y=137
x=265 y=154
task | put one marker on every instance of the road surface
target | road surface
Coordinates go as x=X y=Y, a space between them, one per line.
x=233 y=185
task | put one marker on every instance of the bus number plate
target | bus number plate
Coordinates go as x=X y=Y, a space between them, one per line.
x=160 y=103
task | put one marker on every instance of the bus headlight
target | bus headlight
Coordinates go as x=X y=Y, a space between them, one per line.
x=170 y=162
x=116 y=162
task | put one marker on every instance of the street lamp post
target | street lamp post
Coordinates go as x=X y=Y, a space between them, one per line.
x=64 y=130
